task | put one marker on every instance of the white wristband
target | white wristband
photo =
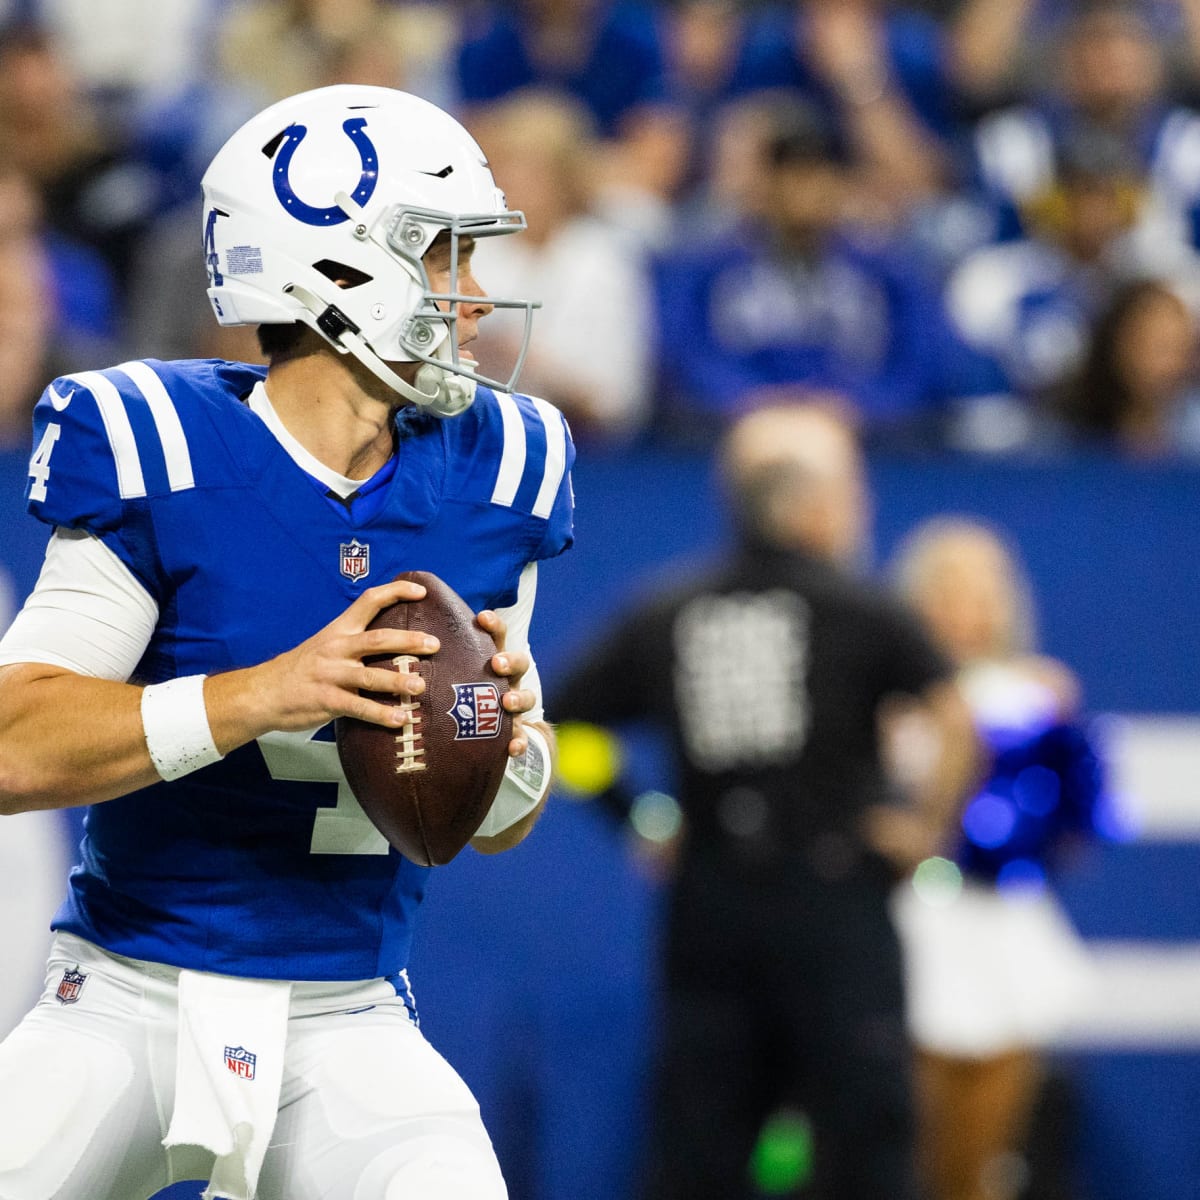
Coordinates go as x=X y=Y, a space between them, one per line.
x=526 y=781
x=175 y=722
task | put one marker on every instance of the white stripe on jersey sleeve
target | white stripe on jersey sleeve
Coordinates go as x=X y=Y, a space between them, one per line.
x=518 y=618
x=130 y=481
x=87 y=614
x=512 y=461
x=556 y=457
x=166 y=421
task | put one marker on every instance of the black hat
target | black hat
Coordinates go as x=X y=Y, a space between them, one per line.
x=802 y=134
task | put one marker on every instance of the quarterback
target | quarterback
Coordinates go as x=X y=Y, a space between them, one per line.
x=227 y=995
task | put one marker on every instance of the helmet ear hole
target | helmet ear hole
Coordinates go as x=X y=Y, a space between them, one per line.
x=342 y=274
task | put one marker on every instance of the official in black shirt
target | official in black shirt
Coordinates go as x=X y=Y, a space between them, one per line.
x=771 y=676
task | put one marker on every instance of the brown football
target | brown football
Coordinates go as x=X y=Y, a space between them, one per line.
x=428 y=784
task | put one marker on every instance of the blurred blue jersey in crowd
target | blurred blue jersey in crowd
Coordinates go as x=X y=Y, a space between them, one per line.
x=619 y=67
x=855 y=318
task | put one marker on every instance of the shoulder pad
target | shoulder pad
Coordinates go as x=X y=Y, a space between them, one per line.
x=104 y=438
x=516 y=452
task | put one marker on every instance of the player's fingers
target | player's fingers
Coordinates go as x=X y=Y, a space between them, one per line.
x=519 y=700
x=512 y=664
x=390 y=641
x=375 y=599
x=493 y=622
x=518 y=743
x=388 y=682
x=377 y=713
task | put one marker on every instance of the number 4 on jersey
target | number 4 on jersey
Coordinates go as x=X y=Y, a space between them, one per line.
x=342 y=829
x=39 y=464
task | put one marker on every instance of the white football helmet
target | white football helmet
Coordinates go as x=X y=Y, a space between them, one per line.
x=320 y=209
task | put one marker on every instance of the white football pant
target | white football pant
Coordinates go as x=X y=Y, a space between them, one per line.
x=368 y=1109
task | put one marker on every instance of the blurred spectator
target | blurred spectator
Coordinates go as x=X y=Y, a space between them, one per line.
x=878 y=76
x=767 y=674
x=1025 y=308
x=1189 y=13
x=145 y=70
x=985 y=41
x=57 y=305
x=26 y=308
x=608 y=55
x=937 y=8
x=1138 y=388
x=316 y=42
x=794 y=296
x=89 y=191
x=994 y=966
x=590 y=350
x=1108 y=75
x=702 y=44
x=126 y=54
x=730 y=193
x=1007 y=47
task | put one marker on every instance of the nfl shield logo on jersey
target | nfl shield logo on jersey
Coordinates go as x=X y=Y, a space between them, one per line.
x=240 y=1061
x=476 y=710
x=70 y=985
x=356 y=559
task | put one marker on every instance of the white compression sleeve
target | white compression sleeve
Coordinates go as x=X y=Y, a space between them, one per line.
x=517 y=618
x=87 y=613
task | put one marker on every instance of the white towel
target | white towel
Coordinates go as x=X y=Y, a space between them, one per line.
x=228 y=1073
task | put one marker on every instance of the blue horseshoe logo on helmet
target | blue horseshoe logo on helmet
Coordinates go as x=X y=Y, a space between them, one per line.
x=294 y=134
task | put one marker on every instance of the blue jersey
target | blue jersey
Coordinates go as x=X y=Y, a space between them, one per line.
x=620 y=62
x=778 y=56
x=263 y=864
x=858 y=318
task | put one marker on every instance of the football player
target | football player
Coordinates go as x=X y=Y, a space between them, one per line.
x=227 y=995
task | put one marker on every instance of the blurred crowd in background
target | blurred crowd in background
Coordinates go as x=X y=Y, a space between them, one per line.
x=974 y=221
x=973 y=226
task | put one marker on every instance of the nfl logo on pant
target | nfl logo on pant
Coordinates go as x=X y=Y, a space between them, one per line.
x=70 y=985
x=240 y=1061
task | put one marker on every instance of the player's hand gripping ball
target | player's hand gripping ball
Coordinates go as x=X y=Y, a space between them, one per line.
x=427 y=784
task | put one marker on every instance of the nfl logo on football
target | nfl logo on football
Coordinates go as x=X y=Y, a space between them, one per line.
x=70 y=985
x=356 y=559
x=476 y=711
x=240 y=1061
